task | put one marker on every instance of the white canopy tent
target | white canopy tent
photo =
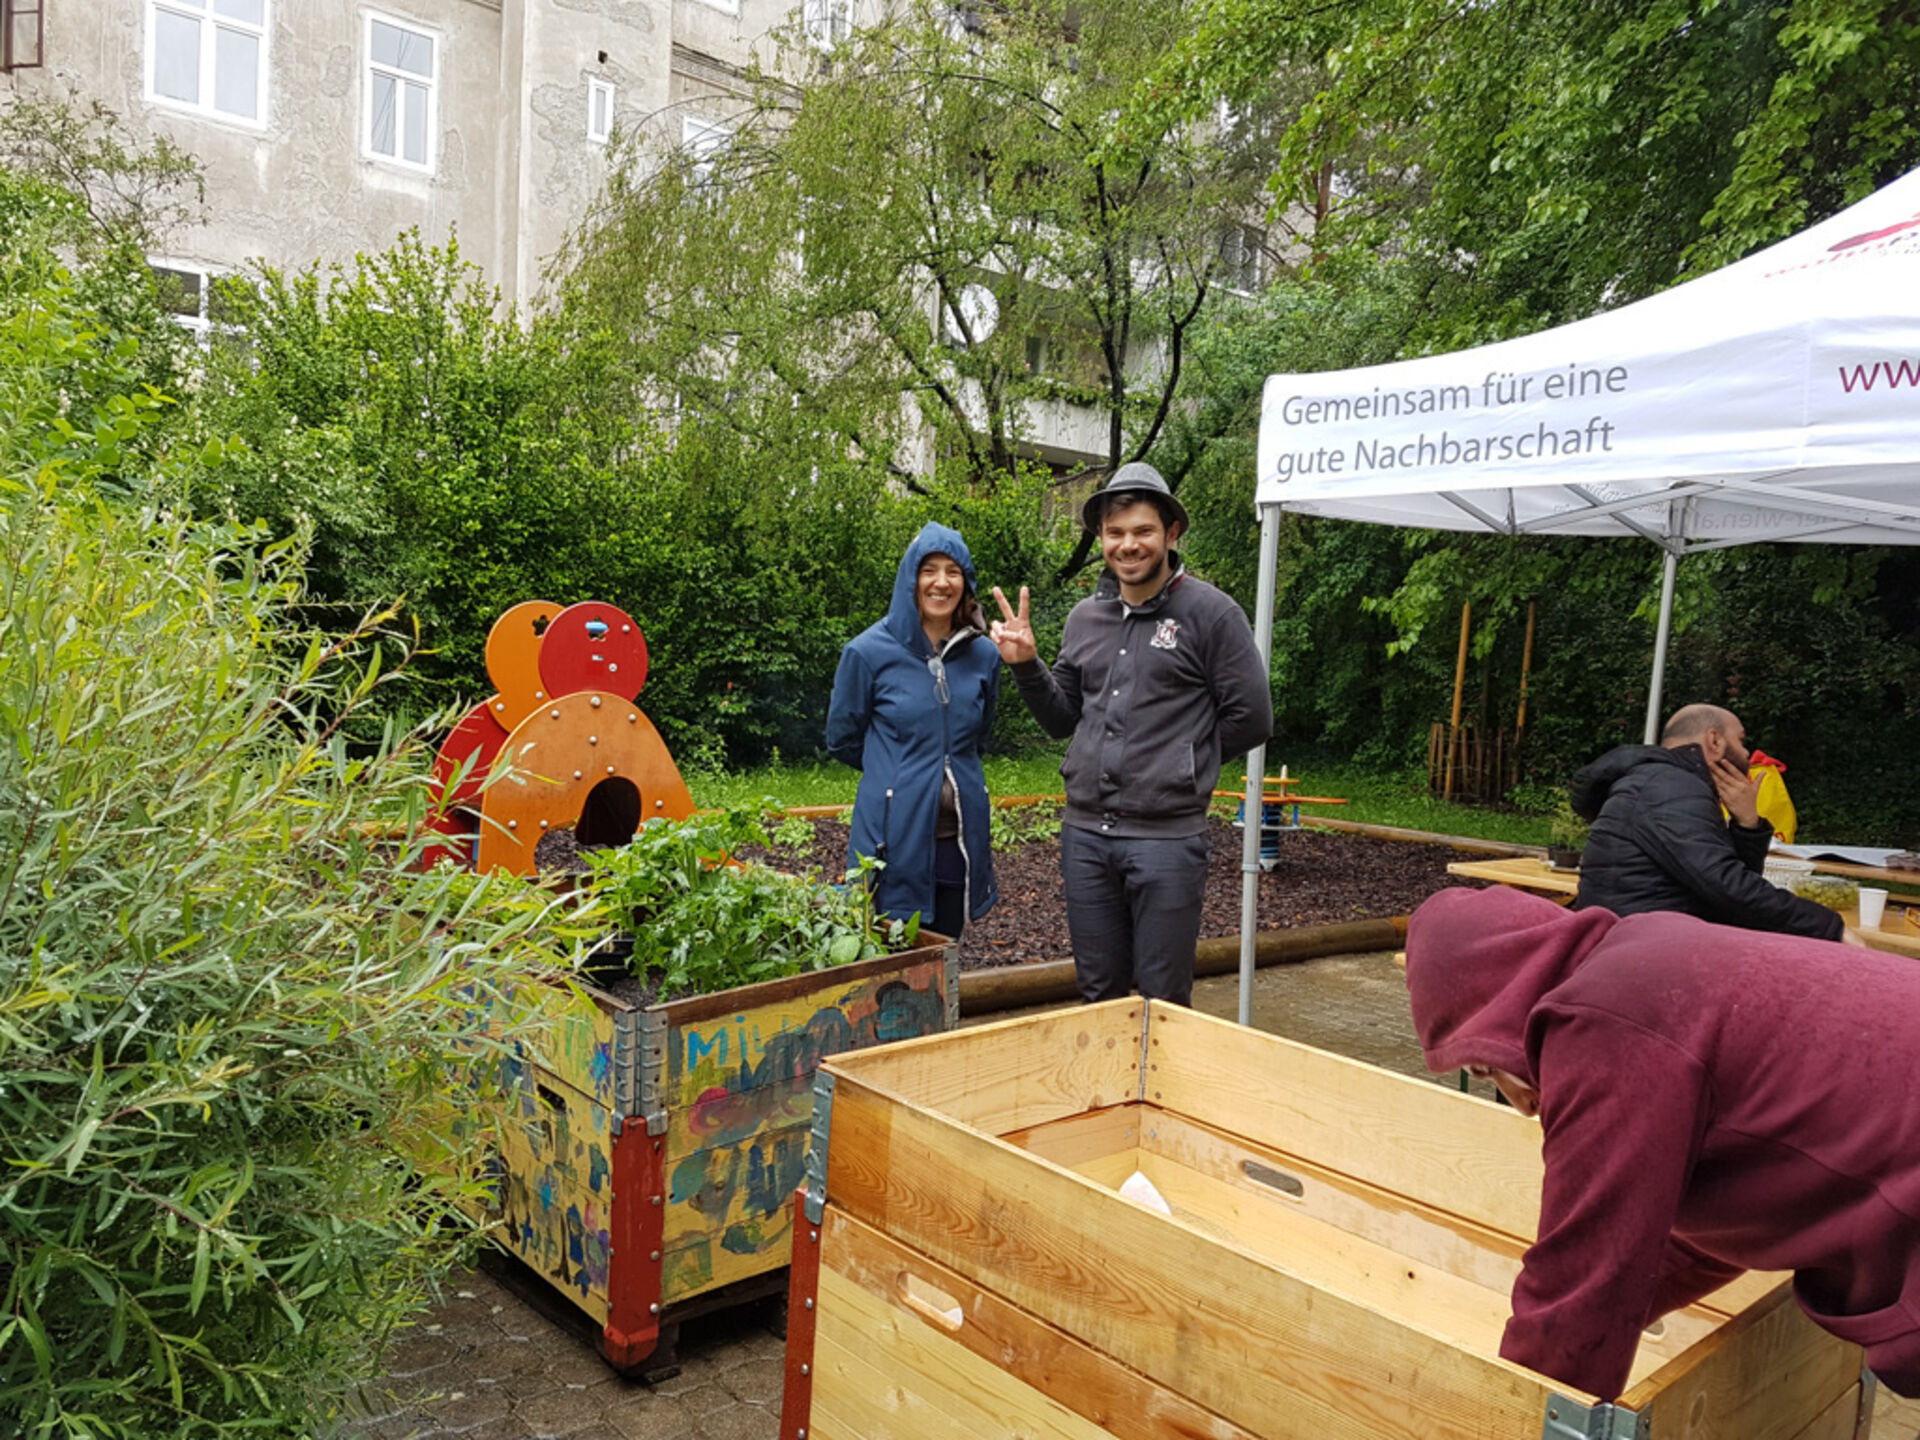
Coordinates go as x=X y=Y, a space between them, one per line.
x=1777 y=399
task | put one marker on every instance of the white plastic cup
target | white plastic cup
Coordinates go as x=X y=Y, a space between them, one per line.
x=1873 y=906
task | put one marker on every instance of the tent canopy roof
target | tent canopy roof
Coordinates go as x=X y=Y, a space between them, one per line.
x=1775 y=399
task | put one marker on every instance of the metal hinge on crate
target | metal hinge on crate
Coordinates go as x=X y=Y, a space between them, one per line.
x=953 y=987
x=1570 y=1420
x=651 y=1058
x=1146 y=1044
x=640 y=1069
x=627 y=1049
x=822 y=1127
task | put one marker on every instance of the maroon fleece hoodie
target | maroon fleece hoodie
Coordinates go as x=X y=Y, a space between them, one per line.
x=1713 y=1100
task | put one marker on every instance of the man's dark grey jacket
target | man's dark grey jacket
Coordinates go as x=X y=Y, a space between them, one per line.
x=1155 y=697
x=1659 y=842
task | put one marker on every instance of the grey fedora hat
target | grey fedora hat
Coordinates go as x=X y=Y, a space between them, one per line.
x=1134 y=478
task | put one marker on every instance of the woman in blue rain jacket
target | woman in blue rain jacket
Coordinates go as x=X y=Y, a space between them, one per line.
x=913 y=702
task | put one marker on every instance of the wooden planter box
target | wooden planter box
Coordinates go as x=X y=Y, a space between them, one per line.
x=1337 y=1266
x=649 y=1156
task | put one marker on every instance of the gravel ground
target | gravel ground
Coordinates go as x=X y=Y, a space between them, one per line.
x=1322 y=877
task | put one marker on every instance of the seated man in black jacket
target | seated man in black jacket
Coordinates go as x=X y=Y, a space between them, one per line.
x=1659 y=842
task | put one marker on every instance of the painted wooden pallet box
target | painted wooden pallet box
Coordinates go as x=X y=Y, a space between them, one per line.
x=648 y=1157
x=1336 y=1265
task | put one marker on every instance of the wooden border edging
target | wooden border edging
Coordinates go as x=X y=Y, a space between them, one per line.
x=982 y=992
x=834 y=812
x=1321 y=822
x=1424 y=837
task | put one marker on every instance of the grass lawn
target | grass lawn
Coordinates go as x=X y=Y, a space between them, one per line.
x=1377 y=799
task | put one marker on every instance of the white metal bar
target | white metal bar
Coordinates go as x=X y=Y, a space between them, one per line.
x=1599 y=509
x=1696 y=547
x=1669 y=570
x=1492 y=522
x=1821 y=503
x=1645 y=532
x=1257 y=762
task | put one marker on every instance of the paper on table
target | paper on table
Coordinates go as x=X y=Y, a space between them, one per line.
x=1846 y=854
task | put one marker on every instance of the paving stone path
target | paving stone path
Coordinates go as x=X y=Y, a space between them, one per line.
x=490 y=1366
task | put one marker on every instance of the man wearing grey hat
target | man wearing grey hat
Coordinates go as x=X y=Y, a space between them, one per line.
x=1158 y=682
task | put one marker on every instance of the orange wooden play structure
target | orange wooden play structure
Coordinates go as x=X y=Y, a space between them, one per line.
x=561 y=742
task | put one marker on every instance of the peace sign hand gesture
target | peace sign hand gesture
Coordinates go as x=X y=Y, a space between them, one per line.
x=1012 y=632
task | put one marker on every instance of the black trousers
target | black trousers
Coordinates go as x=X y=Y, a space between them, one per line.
x=949 y=911
x=949 y=916
x=1133 y=911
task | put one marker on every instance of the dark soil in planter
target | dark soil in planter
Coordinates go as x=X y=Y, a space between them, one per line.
x=635 y=990
x=1323 y=877
x=557 y=852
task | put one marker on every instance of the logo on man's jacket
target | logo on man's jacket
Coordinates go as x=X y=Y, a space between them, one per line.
x=1166 y=635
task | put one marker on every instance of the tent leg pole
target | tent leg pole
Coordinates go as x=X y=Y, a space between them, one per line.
x=1671 y=569
x=1254 y=811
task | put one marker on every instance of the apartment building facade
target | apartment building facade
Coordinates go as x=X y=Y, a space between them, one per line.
x=326 y=127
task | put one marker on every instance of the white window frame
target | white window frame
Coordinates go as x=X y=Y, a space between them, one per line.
x=595 y=89
x=201 y=324
x=369 y=67
x=201 y=12
x=198 y=322
x=827 y=22
x=703 y=138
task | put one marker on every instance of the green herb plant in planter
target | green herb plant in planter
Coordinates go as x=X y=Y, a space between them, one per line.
x=1567 y=837
x=702 y=921
x=1016 y=825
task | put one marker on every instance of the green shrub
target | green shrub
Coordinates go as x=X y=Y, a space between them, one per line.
x=1532 y=797
x=445 y=451
x=84 y=352
x=221 y=1002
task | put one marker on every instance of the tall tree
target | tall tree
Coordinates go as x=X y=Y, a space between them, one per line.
x=922 y=211
x=1570 y=156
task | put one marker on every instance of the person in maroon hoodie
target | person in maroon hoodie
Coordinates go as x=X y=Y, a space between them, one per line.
x=1714 y=1100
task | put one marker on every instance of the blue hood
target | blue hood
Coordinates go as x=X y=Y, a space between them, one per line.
x=903 y=615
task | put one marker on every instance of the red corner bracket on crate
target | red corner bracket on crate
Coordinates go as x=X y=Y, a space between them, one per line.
x=803 y=1274
x=634 y=1267
x=803 y=1290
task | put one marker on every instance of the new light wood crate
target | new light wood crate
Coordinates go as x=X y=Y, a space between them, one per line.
x=1337 y=1265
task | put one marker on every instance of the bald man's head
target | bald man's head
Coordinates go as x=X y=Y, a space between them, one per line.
x=1716 y=731
x=1689 y=724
